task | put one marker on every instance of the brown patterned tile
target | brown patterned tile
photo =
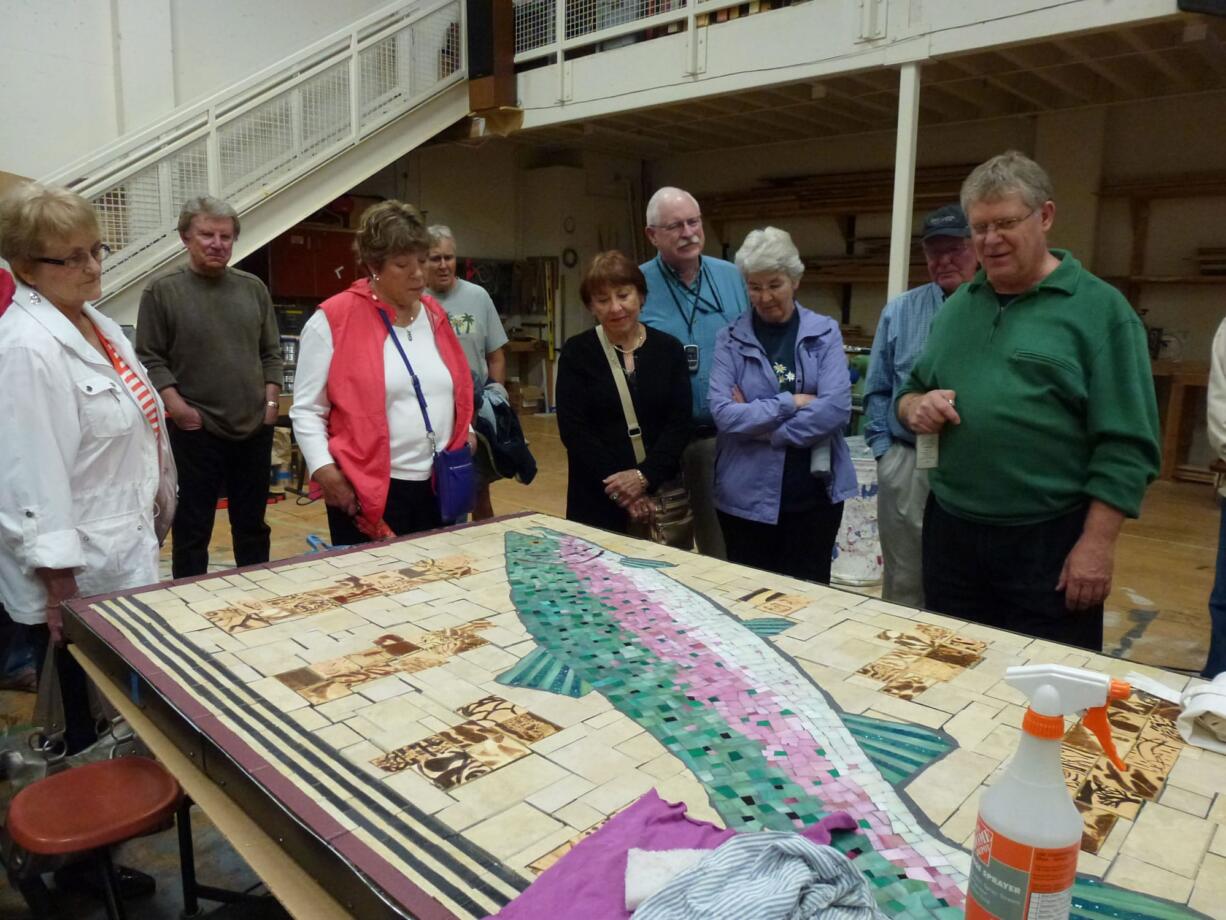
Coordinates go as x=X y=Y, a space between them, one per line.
x=1096 y=825
x=934 y=669
x=890 y=665
x=1077 y=764
x=908 y=686
x=396 y=645
x=529 y=727
x=540 y=864
x=933 y=633
x=1106 y=789
x=918 y=644
x=955 y=655
x=300 y=678
x=325 y=692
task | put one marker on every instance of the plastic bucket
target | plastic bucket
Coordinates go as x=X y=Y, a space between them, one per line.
x=857 y=552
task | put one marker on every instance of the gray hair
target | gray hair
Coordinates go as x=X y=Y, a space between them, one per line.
x=438 y=233
x=667 y=193
x=208 y=206
x=1008 y=173
x=770 y=250
x=33 y=215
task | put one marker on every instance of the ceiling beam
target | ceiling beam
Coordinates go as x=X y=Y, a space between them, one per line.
x=1120 y=81
x=1002 y=84
x=1156 y=59
x=1048 y=73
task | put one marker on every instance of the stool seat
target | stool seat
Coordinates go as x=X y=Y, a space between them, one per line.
x=94 y=805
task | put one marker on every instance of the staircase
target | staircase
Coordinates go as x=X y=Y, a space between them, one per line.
x=279 y=145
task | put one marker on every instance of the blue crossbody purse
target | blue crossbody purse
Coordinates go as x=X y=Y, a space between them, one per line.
x=454 y=479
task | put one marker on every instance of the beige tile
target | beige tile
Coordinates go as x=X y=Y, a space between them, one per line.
x=1218 y=811
x=1218 y=844
x=1092 y=865
x=941 y=789
x=961 y=824
x=642 y=748
x=1168 y=839
x=592 y=760
x=946 y=698
x=560 y=793
x=663 y=767
x=1133 y=874
x=1205 y=775
x=1209 y=892
x=973 y=724
x=515 y=829
x=618 y=792
x=1190 y=802
x=419 y=791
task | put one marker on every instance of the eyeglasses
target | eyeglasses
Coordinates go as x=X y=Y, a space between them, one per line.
x=1004 y=225
x=690 y=223
x=79 y=260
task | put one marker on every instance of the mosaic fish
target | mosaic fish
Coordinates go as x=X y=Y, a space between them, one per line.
x=764 y=741
x=769 y=747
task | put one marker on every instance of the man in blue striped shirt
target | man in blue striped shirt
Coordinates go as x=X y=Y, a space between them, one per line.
x=902 y=490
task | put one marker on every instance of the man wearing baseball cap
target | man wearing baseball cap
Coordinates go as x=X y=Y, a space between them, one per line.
x=901 y=334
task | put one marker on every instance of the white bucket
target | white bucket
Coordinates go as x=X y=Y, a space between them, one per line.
x=857 y=552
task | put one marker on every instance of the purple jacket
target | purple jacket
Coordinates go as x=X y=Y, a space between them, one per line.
x=753 y=436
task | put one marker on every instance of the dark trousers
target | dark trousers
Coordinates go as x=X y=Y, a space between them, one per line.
x=1216 y=662
x=79 y=728
x=411 y=508
x=800 y=545
x=1005 y=575
x=206 y=463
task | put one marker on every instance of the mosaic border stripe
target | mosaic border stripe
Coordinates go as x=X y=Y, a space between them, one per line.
x=345 y=774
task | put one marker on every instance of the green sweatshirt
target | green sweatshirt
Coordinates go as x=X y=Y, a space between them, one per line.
x=1056 y=398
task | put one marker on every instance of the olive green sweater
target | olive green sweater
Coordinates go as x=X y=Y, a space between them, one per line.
x=1056 y=398
x=216 y=340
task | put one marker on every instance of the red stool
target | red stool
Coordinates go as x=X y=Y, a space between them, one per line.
x=88 y=809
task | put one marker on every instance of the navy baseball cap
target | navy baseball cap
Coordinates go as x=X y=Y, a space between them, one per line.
x=945 y=221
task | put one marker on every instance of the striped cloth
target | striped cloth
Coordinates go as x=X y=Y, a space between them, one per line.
x=138 y=388
x=770 y=875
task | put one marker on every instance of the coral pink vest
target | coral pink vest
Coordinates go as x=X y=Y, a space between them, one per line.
x=357 y=424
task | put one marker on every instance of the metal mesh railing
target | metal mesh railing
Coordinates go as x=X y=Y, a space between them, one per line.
x=535 y=24
x=247 y=149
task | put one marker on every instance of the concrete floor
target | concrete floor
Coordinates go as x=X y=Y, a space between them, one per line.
x=1156 y=615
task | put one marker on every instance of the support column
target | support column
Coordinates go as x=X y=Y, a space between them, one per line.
x=904 y=178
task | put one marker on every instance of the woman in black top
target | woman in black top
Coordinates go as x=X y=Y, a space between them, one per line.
x=606 y=488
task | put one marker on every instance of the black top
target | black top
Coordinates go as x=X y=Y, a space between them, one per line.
x=593 y=425
x=800 y=490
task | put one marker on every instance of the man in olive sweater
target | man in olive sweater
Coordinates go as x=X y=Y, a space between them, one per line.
x=1037 y=379
x=207 y=334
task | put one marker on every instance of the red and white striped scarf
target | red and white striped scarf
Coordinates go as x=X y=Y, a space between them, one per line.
x=140 y=392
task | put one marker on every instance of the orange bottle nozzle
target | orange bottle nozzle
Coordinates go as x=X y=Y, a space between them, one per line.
x=1095 y=720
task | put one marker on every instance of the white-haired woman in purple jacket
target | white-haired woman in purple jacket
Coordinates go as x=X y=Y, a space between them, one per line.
x=780 y=394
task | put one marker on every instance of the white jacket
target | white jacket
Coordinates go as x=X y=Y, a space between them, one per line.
x=79 y=462
x=1217 y=397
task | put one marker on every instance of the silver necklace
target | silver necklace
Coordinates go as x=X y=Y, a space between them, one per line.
x=638 y=343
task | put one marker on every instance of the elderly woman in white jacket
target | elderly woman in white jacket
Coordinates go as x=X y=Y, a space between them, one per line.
x=86 y=484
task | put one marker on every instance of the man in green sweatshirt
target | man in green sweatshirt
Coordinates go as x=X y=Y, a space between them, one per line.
x=1036 y=378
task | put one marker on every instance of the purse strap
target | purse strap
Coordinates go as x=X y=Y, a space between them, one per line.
x=623 y=392
x=421 y=399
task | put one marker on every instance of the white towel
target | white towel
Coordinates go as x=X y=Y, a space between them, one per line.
x=647 y=871
x=1203 y=719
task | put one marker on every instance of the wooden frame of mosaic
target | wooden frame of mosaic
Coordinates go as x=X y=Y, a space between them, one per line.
x=430 y=723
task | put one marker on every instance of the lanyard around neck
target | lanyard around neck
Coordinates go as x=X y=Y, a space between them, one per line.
x=673 y=281
x=421 y=398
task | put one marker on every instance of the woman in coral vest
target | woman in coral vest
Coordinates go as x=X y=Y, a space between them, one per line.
x=356 y=415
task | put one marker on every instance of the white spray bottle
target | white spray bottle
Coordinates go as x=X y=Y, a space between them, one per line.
x=1028 y=834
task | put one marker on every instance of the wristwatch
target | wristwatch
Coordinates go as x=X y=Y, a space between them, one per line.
x=273 y=404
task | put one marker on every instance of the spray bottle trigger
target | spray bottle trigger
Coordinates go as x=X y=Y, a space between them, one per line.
x=1095 y=720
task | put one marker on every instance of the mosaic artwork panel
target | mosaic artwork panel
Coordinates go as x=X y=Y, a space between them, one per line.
x=1144 y=732
x=577 y=675
x=336 y=678
x=247 y=615
x=496 y=733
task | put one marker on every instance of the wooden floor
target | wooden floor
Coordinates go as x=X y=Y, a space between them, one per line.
x=1156 y=613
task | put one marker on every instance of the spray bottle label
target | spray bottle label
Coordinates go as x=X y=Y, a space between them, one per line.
x=1012 y=881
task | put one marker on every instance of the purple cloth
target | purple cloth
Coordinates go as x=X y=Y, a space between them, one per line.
x=590 y=880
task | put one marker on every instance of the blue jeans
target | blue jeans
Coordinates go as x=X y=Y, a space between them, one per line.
x=1216 y=662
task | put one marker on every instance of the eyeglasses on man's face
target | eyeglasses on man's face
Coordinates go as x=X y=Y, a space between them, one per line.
x=1003 y=225
x=79 y=260
x=690 y=223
